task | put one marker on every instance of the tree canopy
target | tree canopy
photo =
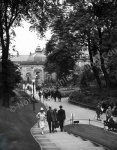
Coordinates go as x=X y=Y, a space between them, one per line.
x=92 y=24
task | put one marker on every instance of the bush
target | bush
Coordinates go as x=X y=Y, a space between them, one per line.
x=76 y=96
x=92 y=97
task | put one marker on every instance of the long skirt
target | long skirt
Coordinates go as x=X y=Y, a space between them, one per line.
x=42 y=124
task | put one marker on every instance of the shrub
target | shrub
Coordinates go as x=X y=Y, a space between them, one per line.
x=76 y=96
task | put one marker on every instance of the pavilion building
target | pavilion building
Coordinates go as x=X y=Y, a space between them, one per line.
x=32 y=66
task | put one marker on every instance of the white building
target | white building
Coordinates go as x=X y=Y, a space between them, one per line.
x=31 y=65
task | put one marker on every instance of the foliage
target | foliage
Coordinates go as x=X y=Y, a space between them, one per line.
x=83 y=81
x=91 y=97
x=61 y=50
x=76 y=96
x=14 y=75
x=59 y=61
x=74 y=80
x=94 y=25
x=112 y=69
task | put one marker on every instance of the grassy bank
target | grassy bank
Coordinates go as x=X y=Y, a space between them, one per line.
x=15 y=125
x=95 y=134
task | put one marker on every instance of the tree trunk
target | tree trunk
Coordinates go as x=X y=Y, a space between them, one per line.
x=96 y=74
x=106 y=77
x=5 y=83
x=5 y=41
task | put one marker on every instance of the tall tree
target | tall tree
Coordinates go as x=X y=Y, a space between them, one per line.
x=61 y=50
x=59 y=60
x=80 y=26
x=94 y=24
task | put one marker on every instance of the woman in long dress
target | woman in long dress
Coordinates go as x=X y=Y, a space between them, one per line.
x=42 y=117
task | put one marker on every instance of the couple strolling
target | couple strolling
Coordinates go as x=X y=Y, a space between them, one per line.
x=55 y=119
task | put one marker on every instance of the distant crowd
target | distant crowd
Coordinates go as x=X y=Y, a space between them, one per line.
x=49 y=93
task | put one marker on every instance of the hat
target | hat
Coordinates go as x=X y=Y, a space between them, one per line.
x=60 y=106
x=41 y=108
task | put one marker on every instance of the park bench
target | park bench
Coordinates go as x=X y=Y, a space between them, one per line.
x=111 y=125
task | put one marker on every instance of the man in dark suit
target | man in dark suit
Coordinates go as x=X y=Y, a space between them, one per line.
x=61 y=117
x=49 y=118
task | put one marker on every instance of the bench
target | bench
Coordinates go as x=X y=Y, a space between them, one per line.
x=110 y=125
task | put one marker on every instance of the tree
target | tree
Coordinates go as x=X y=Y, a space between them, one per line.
x=60 y=50
x=79 y=33
x=105 y=19
x=38 y=12
x=59 y=61
x=112 y=69
x=94 y=25
x=14 y=75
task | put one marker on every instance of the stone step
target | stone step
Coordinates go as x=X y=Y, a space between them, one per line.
x=70 y=148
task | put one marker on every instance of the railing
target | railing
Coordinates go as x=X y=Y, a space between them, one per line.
x=76 y=121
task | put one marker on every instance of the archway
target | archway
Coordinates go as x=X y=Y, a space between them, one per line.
x=28 y=77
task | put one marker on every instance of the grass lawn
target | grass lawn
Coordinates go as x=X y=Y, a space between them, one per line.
x=15 y=126
x=66 y=93
x=95 y=134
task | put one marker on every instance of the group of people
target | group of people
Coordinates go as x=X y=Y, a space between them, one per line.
x=109 y=110
x=54 y=118
x=50 y=94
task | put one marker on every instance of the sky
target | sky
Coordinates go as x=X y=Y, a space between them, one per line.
x=27 y=41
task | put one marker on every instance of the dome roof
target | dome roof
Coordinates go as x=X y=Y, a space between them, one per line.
x=37 y=57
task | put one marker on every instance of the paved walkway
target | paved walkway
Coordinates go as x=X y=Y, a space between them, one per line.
x=63 y=140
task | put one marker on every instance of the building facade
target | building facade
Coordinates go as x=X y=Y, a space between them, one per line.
x=31 y=66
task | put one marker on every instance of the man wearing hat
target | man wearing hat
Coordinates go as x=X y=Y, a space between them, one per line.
x=49 y=118
x=61 y=117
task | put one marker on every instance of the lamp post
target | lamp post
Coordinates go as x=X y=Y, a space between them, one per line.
x=33 y=81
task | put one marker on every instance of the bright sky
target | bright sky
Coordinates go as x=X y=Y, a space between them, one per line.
x=27 y=41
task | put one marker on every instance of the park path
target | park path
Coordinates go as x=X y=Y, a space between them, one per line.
x=64 y=140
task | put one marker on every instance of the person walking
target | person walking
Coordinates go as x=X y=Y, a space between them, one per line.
x=40 y=94
x=108 y=113
x=49 y=118
x=54 y=95
x=59 y=96
x=55 y=120
x=98 y=112
x=61 y=117
x=42 y=117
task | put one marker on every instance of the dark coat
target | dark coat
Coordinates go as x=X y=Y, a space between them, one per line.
x=58 y=95
x=61 y=114
x=49 y=116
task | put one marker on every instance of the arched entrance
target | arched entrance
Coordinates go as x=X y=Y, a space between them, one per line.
x=38 y=73
x=28 y=77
